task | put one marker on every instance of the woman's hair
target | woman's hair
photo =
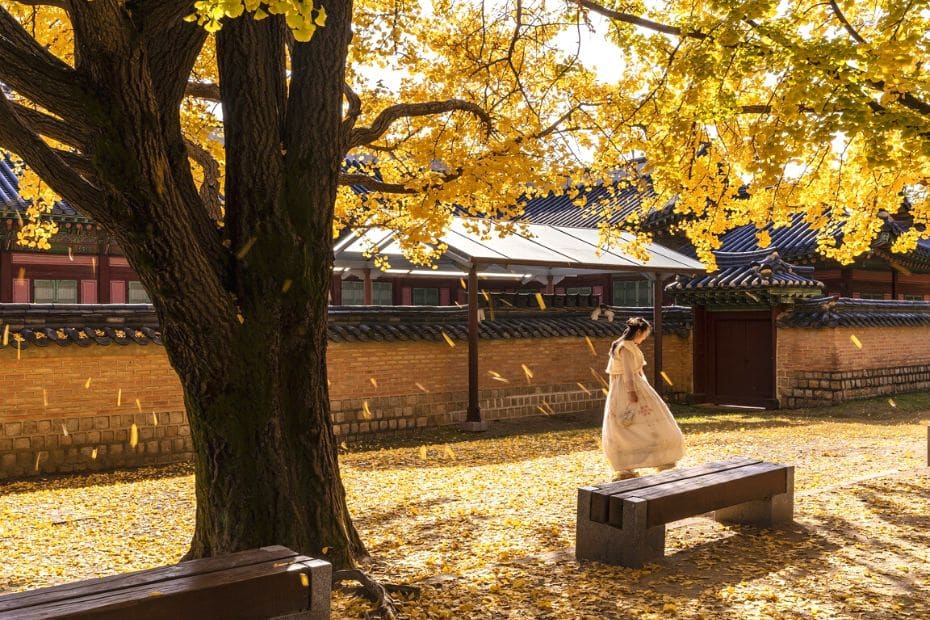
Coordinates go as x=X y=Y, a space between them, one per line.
x=634 y=326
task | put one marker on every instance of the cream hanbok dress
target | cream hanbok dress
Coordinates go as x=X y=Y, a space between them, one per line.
x=640 y=434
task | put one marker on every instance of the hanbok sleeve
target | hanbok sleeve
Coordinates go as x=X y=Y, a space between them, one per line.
x=628 y=359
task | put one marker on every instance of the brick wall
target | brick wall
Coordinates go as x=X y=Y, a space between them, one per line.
x=99 y=418
x=821 y=366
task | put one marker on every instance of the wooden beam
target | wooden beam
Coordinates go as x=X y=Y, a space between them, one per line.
x=657 y=334
x=473 y=421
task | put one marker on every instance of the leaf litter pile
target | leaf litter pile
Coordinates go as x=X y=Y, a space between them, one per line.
x=485 y=524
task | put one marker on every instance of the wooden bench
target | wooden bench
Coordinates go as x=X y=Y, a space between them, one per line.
x=623 y=523
x=262 y=583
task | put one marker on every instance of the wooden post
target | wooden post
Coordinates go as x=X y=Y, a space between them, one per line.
x=103 y=278
x=550 y=287
x=6 y=274
x=894 y=283
x=366 y=287
x=657 y=334
x=473 y=421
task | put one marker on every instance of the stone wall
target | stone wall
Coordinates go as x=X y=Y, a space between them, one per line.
x=822 y=366
x=51 y=421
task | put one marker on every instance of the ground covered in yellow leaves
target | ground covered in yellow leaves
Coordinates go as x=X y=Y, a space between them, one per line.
x=485 y=524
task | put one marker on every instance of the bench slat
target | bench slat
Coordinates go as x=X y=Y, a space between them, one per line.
x=694 y=496
x=150 y=577
x=260 y=590
x=600 y=498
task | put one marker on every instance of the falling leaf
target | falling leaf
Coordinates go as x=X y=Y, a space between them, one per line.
x=855 y=341
x=64 y=430
x=423 y=452
x=501 y=379
x=583 y=388
x=487 y=297
x=155 y=593
x=119 y=397
x=447 y=339
x=366 y=412
x=527 y=372
x=93 y=454
x=21 y=275
x=448 y=452
x=599 y=378
x=70 y=254
x=344 y=446
x=374 y=381
x=87 y=383
x=38 y=458
x=540 y=301
x=245 y=248
x=287 y=285
x=240 y=317
x=591 y=346
x=133 y=435
x=154 y=419
x=44 y=397
x=304 y=580
x=138 y=405
x=324 y=550
x=493 y=374
x=892 y=403
x=6 y=334
x=19 y=349
x=421 y=388
x=665 y=377
x=462 y=282
x=93 y=265
x=604 y=391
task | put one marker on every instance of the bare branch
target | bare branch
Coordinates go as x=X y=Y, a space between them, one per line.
x=203 y=90
x=635 y=20
x=48 y=163
x=210 y=189
x=849 y=27
x=388 y=116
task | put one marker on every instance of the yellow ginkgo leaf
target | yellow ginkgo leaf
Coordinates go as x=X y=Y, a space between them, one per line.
x=133 y=435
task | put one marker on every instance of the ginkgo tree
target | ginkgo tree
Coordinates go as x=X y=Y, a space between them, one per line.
x=211 y=140
x=222 y=144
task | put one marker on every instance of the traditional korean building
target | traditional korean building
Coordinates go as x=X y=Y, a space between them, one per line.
x=84 y=266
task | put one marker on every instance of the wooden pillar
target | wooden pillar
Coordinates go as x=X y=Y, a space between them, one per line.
x=550 y=287
x=103 y=278
x=894 y=283
x=473 y=421
x=367 y=295
x=657 y=382
x=6 y=274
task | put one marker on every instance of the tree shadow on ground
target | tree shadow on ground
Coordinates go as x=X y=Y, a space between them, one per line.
x=100 y=478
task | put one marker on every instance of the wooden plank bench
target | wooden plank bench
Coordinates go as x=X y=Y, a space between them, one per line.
x=261 y=583
x=623 y=523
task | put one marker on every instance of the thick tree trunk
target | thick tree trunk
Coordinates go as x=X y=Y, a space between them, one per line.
x=266 y=456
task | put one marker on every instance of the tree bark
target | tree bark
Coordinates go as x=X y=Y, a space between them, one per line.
x=243 y=309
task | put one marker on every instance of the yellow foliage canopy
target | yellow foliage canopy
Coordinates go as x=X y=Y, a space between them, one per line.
x=743 y=110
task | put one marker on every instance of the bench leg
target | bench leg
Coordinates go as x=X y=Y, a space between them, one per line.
x=765 y=512
x=632 y=545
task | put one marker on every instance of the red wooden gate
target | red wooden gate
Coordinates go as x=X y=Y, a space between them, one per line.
x=737 y=356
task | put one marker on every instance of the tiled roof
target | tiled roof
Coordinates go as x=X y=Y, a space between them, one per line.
x=620 y=201
x=761 y=273
x=11 y=202
x=847 y=312
x=45 y=324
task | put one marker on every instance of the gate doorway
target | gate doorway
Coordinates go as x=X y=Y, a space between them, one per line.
x=738 y=358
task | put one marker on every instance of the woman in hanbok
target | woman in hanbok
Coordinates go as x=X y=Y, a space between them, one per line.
x=639 y=430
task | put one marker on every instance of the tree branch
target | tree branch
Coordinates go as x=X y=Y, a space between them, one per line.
x=354 y=111
x=388 y=116
x=849 y=28
x=51 y=127
x=58 y=4
x=635 y=20
x=36 y=73
x=369 y=182
x=48 y=163
x=210 y=188
x=203 y=90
